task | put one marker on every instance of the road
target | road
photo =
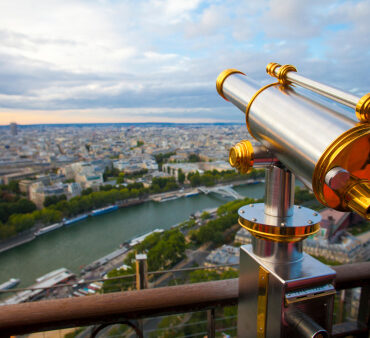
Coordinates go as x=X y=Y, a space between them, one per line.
x=20 y=239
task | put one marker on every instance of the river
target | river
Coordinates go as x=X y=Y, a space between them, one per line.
x=84 y=242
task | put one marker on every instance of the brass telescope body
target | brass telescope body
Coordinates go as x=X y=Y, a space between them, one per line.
x=292 y=293
x=309 y=138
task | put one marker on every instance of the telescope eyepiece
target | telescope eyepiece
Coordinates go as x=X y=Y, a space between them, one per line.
x=304 y=326
x=241 y=156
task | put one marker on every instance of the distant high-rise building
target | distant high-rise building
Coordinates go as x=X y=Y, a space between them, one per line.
x=13 y=128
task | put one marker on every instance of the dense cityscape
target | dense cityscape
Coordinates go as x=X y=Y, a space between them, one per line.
x=184 y=169
x=53 y=176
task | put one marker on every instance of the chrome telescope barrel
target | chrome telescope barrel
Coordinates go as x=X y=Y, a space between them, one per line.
x=332 y=93
x=288 y=74
x=307 y=137
x=297 y=131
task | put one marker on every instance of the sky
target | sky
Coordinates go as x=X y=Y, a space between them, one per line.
x=81 y=61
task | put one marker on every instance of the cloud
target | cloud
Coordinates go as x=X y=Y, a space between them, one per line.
x=294 y=19
x=207 y=23
x=164 y=56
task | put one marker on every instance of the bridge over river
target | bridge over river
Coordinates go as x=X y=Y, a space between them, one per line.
x=224 y=190
x=86 y=241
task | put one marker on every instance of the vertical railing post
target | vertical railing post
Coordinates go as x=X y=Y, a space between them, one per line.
x=141 y=272
x=340 y=314
x=211 y=325
x=141 y=281
x=364 y=309
x=348 y=313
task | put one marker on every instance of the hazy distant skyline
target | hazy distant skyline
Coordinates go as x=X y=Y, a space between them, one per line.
x=109 y=61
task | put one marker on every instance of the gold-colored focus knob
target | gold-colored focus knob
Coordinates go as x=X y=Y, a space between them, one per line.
x=241 y=156
x=358 y=200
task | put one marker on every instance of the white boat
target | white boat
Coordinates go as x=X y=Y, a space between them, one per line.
x=104 y=210
x=51 y=274
x=105 y=259
x=11 y=283
x=193 y=193
x=139 y=239
x=37 y=289
x=48 y=229
x=165 y=199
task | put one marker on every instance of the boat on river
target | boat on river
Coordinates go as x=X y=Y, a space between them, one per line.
x=51 y=274
x=11 y=283
x=76 y=219
x=38 y=289
x=48 y=229
x=193 y=193
x=103 y=260
x=170 y=198
x=139 y=239
x=105 y=210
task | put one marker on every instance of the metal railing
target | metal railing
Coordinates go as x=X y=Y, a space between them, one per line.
x=130 y=276
x=128 y=307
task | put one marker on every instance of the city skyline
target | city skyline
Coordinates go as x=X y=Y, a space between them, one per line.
x=157 y=61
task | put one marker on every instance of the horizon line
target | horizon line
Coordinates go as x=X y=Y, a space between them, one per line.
x=111 y=123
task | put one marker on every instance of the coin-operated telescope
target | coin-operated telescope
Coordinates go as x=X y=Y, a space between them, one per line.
x=284 y=292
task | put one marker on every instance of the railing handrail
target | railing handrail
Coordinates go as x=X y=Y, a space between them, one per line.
x=115 y=307
x=352 y=275
x=88 y=281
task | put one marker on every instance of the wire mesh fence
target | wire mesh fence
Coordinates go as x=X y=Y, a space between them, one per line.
x=124 y=282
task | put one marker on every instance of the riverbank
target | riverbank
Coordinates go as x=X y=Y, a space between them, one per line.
x=162 y=197
x=32 y=233
x=84 y=242
x=93 y=271
x=17 y=241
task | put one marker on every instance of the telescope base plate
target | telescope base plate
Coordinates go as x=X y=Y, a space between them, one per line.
x=304 y=222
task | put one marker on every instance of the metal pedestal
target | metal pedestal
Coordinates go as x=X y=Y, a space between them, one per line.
x=283 y=292
x=304 y=285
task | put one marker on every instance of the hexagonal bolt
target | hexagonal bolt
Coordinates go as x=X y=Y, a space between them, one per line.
x=337 y=178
